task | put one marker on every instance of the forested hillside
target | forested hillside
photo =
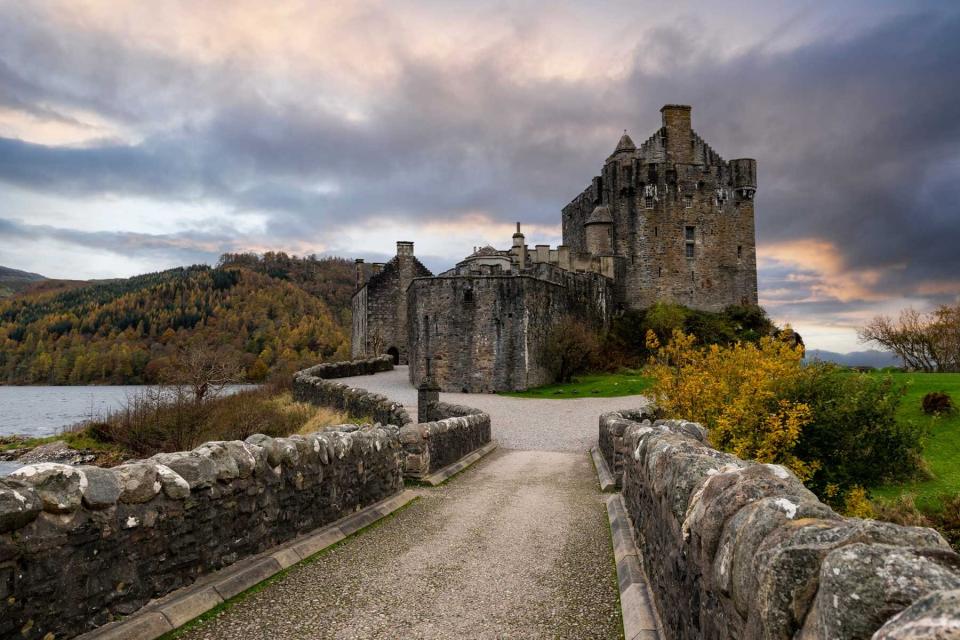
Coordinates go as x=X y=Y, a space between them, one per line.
x=126 y=331
x=330 y=279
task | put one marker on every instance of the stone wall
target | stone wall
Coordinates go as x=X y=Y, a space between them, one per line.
x=735 y=549
x=456 y=432
x=350 y=368
x=451 y=432
x=488 y=333
x=81 y=546
x=311 y=385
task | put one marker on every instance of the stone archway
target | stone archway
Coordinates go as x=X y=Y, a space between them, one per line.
x=394 y=353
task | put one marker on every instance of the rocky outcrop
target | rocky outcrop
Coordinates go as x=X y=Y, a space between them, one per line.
x=736 y=549
x=81 y=546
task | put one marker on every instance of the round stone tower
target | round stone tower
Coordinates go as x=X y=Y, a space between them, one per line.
x=597 y=229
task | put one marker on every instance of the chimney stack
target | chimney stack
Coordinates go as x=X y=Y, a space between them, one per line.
x=676 y=121
x=404 y=248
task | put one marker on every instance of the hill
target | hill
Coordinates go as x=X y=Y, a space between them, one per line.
x=13 y=281
x=125 y=331
x=870 y=358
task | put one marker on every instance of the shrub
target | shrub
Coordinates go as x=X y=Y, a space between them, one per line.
x=937 y=403
x=738 y=393
x=571 y=349
x=625 y=342
x=836 y=430
x=853 y=433
x=945 y=518
x=165 y=419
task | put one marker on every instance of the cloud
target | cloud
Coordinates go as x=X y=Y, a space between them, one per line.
x=326 y=121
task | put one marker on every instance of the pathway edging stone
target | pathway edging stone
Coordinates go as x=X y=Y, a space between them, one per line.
x=640 y=621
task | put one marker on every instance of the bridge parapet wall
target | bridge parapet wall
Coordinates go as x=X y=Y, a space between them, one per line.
x=456 y=432
x=736 y=549
x=452 y=432
x=315 y=385
x=81 y=546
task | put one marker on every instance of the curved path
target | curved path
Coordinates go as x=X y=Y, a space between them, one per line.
x=517 y=546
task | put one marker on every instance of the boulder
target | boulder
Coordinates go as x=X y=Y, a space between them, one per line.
x=102 y=488
x=174 y=486
x=19 y=504
x=139 y=482
x=219 y=454
x=864 y=585
x=198 y=471
x=57 y=485
x=936 y=615
x=789 y=560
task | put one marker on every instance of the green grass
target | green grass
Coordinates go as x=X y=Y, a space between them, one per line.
x=942 y=450
x=601 y=385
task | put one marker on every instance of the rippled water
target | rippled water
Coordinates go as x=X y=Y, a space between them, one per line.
x=45 y=411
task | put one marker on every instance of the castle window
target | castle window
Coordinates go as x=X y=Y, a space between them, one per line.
x=656 y=232
x=648 y=202
x=739 y=252
x=468 y=296
x=689 y=241
x=659 y=271
x=688 y=201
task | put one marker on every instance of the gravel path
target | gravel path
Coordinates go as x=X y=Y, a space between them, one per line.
x=517 y=546
x=517 y=423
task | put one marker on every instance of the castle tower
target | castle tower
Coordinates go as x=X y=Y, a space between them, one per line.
x=681 y=219
x=597 y=229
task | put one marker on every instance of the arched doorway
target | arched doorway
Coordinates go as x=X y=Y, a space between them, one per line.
x=394 y=353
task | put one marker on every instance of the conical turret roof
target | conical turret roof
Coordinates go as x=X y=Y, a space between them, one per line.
x=600 y=215
x=625 y=144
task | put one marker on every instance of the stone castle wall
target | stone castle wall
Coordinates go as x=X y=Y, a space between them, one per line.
x=82 y=546
x=735 y=549
x=380 y=309
x=488 y=333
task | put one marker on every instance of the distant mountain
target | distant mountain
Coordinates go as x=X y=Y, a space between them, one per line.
x=125 y=331
x=870 y=358
x=15 y=275
x=13 y=281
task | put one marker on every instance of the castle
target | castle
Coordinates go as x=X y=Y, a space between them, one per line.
x=668 y=220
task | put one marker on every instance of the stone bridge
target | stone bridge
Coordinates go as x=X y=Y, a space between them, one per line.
x=316 y=536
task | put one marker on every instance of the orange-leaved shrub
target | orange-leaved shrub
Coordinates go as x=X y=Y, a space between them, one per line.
x=836 y=429
x=738 y=393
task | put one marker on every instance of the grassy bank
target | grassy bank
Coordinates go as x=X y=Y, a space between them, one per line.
x=942 y=450
x=152 y=423
x=601 y=385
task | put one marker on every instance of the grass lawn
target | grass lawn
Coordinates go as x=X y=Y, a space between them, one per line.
x=601 y=385
x=942 y=451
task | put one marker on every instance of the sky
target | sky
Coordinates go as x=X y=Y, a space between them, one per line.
x=139 y=136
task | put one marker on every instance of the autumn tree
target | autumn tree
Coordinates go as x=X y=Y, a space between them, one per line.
x=924 y=341
x=202 y=369
x=571 y=348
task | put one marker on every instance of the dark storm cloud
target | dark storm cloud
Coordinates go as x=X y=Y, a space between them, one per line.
x=184 y=248
x=858 y=139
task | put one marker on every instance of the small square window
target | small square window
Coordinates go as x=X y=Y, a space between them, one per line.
x=690 y=250
x=688 y=202
x=648 y=202
x=688 y=233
